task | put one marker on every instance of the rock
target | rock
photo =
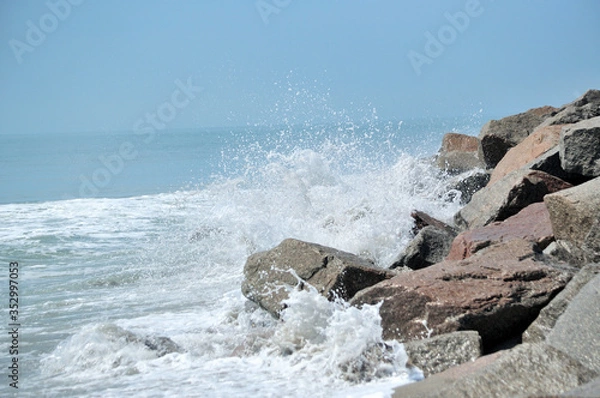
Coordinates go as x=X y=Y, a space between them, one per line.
x=507 y=197
x=541 y=327
x=459 y=153
x=580 y=148
x=577 y=330
x=270 y=275
x=423 y=219
x=430 y=246
x=527 y=370
x=532 y=147
x=549 y=163
x=498 y=136
x=588 y=390
x=575 y=218
x=162 y=345
x=436 y=354
x=531 y=224
x=467 y=184
x=585 y=107
x=498 y=292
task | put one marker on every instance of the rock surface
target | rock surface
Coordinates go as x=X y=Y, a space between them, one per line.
x=580 y=148
x=528 y=370
x=430 y=246
x=542 y=326
x=270 y=275
x=507 y=197
x=498 y=136
x=577 y=330
x=497 y=292
x=467 y=185
x=531 y=224
x=459 y=153
x=575 y=218
x=585 y=107
x=532 y=147
x=436 y=354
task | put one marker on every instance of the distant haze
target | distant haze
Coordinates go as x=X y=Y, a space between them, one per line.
x=77 y=66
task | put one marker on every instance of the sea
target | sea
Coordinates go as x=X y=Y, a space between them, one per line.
x=131 y=249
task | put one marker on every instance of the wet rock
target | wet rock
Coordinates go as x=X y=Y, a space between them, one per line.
x=436 y=354
x=430 y=246
x=575 y=218
x=532 y=147
x=585 y=107
x=542 y=326
x=466 y=184
x=531 y=224
x=498 y=136
x=507 y=197
x=528 y=370
x=498 y=292
x=580 y=148
x=577 y=330
x=423 y=219
x=459 y=153
x=270 y=275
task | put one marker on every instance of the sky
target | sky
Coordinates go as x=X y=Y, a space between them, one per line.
x=112 y=65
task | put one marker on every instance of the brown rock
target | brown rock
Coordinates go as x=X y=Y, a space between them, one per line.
x=459 y=152
x=498 y=292
x=575 y=217
x=507 y=197
x=531 y=224
x=535 y=145
x=270 y=275
x=423 y=219
x=498 y=136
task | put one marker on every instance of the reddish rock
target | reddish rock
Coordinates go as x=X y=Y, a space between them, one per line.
x=459 y=152
x=507 y=197
x=498 y=136
x=532 y=147
x=498 y=292
x=459 y=142
x=531 y=224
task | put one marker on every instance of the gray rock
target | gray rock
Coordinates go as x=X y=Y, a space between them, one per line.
x=436 y=354
x=580 y=148
x=270 y=275
x=575 y=218
x=430 y=246
x=498 y=136
x=467 y=184
x=577 y=331
x=524 y=371
x=588 y=390
x=549 y=163
x=507 y=197
x=456 y=162
x=542 y=326
x=585 y=107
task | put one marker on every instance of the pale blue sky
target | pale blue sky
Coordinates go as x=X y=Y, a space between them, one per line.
x=104 y=65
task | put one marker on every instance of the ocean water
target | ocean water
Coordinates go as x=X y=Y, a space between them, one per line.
x=122 y=240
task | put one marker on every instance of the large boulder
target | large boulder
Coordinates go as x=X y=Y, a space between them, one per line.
x=542 y=326
x=430 y=246
x=498 y=136
x=585 y=107
x=507 y=197
x=577 y=330
x=531 y=224
x=464 y=186
x=528 y=370
x=459 y=153
x=580 y=147
x=550 y=163
x=575 y=217
x=498 y=292
x=436 y=354
x=535 y=145
x=270 y=275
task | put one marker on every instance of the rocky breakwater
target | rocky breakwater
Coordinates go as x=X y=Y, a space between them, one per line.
x=505 y=302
